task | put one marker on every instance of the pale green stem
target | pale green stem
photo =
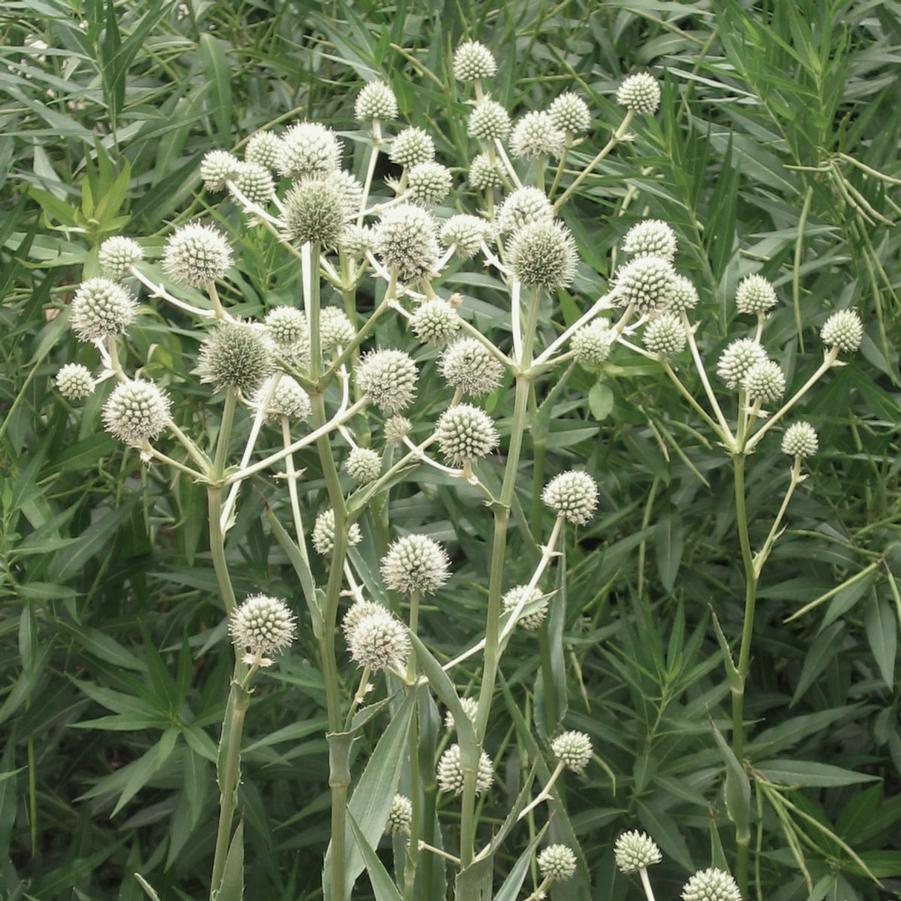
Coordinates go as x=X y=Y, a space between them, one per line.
x=544 y=794
x=413 y=753
x=761 y=557
x=702 y=373
x=646 y=884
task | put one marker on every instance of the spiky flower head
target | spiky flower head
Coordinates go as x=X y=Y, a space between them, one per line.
x=287 y=326
x=532 y=620
x=535 y=136
x=450 y=772
x=489 y=121
x=429 y=183
x=357 y=612
x=468 y=366
x=380 y=641
x=755 y=294
x=235 y=355
x=75 y=381
x=639 y=93
x=356 y=240
x=711 y=885
x=136 y=411
x=117 y=255
x=324 y=533
x=335 y=329
x=737 y=359
x=684 y=296
x=557 y=863
x=465 y=433
x=254 y=181
x=523 y=207
x=388 y=377
x=375 y=101
x=396 y=429
x=264 y=149
x=434 y=321
x=472 y=61
x=286 y=399
x=196 y=254
x=415 y=563
x=665 y=334
x=843 y=330
x=102 y=309
x=400 y=815
x=406 y=239
x=465 y=234
x=634 y=851
x=349 y=190
x=485 y=173
x=363 y=465
x=216 y=168
x=800 y=440
x=592 y=343
x=651 y=238
x=543 y=255
x=570 y=113
x=262 y=625
x=470 y=708
x=308 y=150
x=573 y=750
x=411 y=146
x=647 y=282
x=314 y=212
x=765 y=381
x=573 y=495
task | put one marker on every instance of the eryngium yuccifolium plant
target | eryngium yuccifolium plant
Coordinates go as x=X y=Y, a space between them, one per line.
x=711 y=885
x=375 y=101
x=755 y=295
x=136 y=411
x=639 y=93
x=262 y=625
x=557 y=863
x=263 y=148
x=665 y=334
x=651 y=238
x=573 y=750
x=647 y=282
x=324 y=533
x=737 y=360
x=254 y=181
x=534 y=609
x=485 y=172
x=473 y=61
x=314 y=212
x=428 y=183
x=634 y=851
x=468 y=366
x=400 y=815
x=843 y=330
x=470 y=708
x=434 y=321
x=379 y=641
x=543 y=255
x=406 y=241
x=800 y=440
x=465 y=433
x=764 y=382
x=117 y=255
x=450 y=772
x=684 y=295
x=308 y=150
x=535 y=135
x=102 y=309
x=591 y=344
x=415 y=564
x=412 y=146
x=363 y=465
x=357 y=612
x=196 y=254
x=335 y=329
x=522 y=207
x=570 y=114
x=235 y=355
x=217 y=168
x=286 y=398
x=465 y=234
x=75 y=381
x=388 y=378
x=287 y=327
x=489 y=121
x=572 y=495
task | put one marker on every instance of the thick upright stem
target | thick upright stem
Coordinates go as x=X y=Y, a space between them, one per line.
x=416 y=797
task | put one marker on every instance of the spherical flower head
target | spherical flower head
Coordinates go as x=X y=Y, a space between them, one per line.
x=592 y=343
x=665 y=334
x=429 y=183
x=557 y=863
x=535 y=136
x=335 y=329
x=264 y=148
x=470 y=708
x=324 y=533
x=136 y=411
x=117 y=255
x=363 y=465
x=349 y=190
x=400 y=815
x=380 y=641
x=254 y=181
x=684 y=296
x=308 y=150
x=737 y=359
x=75 y=381
x=314 y=212
x=711 y=885
x=450 y=772
x=262 y=625
x=468 y=366
x=755 y=294
x=651 y=238
x=406 y=239
x=102 y=309
x=356 y=240
x=375 y=101
x=465 y=234
x=357 y=612
x=531 y=621
x=573 y=750
x=543 y=255
x=489 y=121
x=466 y=433
x=415 y=564
x=434 y=321
x=288 y=399
x=639 y=93
x=634 y=851
x=570 y=114
x=485 y=173
x=572 y=495
x=286 y=326
x=472 y=61
x=396 y=429
x=647 y=282
x=843 y=330
x=523 y=207
x=216 y=168
x=388 y=378
x=800 y=440
x=764 y=382
x=196 y=254
x=412 y=146
x=235 y=355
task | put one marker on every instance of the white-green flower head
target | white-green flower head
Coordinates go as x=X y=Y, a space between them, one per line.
x=412 y=146
x=470 y=708
x=800 y=440
x=537 y=606
x=557 y=863
x=196 y=254
x=309 y=150
x=335 y=329
x=523 y=207
x=685 y=295
x=235 y=355
x=711 y=885
x=647 y=282
x=639 y=94
x=396 y=429
x=572 y=495
x=388 y=378
x=363 y=465
x=287 y=326
x=489 y=121
x=357 y=612
x=473 y=61
x=843 y=330
x=468 y=366
x=117 y=255
x=314 y=212
x=651 y=238
x=75 y=381
x=400 y=815
x=755 y=294
x=570 y=113
x=216 y=168
x=737 y=359
x=406 y=239
x=379 y=641
x=485 y=173
x=264 y=148
x=434 y=321
x=465 y=234
x=465 y=433
x=136 y=411
x=665 y=334
x=450 y=772
x=262 y=625
x=101 y=309
x=592 y=343
x=573 y=750
x=764 y=382
x=634 y=851
x=543 y=255
x=349 y=190
x=255 y=182
x=415 y=563
x=535 y=136
x=324 y=533
x=375 y=101
x=288 y=399
x=429 y=183
x=356 y=240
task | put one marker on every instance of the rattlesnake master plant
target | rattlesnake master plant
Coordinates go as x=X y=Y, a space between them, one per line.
x=323 y=403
